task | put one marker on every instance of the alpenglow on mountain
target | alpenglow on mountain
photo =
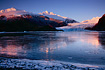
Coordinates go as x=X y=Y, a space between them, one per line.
x=55 y=16
x=12 y=12
x=12 y=20
x=15 y=12
x=7 y=10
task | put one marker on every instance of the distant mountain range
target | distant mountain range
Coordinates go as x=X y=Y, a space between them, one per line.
x=11 y=12
x=15 y=12
x=13 y=19
x=19 y=20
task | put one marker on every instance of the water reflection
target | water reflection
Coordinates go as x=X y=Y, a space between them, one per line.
x=91 y=38
x=82 y=47
x=102 y=39
x=25 y=44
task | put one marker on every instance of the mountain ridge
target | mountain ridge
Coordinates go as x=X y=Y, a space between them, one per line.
x=14 y=12
x=59 y=17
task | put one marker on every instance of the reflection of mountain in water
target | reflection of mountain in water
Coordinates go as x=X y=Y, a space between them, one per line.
x=102 y=39
x=80 y=47
x=38 y=41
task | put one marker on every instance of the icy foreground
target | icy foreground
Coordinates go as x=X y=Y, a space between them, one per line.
x=43 y=65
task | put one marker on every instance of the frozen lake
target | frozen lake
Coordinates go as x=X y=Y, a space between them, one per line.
x=77 y=47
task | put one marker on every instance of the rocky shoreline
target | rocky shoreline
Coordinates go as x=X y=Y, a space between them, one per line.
x=26 y=64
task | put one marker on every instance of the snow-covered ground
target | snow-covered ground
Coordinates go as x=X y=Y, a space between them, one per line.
x=45 y=65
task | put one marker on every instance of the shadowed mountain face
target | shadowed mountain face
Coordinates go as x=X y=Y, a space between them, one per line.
x=12 y=19
x=28 y=22
x=100 y=26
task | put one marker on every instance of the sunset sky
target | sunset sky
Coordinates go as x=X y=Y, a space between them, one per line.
x=77 y=9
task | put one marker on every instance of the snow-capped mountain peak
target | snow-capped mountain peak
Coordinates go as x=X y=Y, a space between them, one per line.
x=58 y=17
x=47 y=13
x=12 y=12
x=93 y=20
x=8 y=10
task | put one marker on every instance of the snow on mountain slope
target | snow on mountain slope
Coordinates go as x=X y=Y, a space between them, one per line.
x=52 y=15
x=93 y=20
x=80 y=26
x=55 y=16
x=86 y=23
x=12 y=12
x=8 y=10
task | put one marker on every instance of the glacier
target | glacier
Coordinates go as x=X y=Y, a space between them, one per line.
x=80 y=26
x=76 y=27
